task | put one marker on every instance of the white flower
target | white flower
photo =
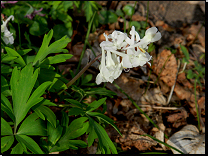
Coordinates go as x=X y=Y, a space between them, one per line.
x=120 y=52
x=3 y=26
x=7 y=38
x=136 y=56
x=151 y=35
x=110 y=68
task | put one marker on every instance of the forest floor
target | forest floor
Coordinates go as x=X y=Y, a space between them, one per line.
x=161 y=90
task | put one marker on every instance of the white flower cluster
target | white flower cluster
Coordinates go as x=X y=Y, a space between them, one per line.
x=121 y=52
x=7 y=37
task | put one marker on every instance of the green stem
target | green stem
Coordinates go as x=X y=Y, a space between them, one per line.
x=86 y=40
x=80 y=73
x=197 y=113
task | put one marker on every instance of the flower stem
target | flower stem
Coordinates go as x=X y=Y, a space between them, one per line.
x=80 y=73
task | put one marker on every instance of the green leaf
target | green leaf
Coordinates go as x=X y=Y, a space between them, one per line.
x=78 y=143
x=32 y=126
x=5 y=87
x=119 y=13
x=54 y=134
x=48 y=103
x=35 y=97
x=151 y=47
x=89 y=8
x=92 y=135
x=100 y=91
x=75 y=125
x=103 y=138
x=50 y=75
x=13 y=53
x=5 y=128
x=29 y=59
x=6 y=106
x=48 y=113
x=75 y=129
x=57 y=59
x=8 y=58
x=38 y=28
x=136 y=24
x=190 y=74
x=5 y=69
x=67 y=5
x=23 y=52
x=29 y=143
x=22 y=84
x=55 y=47
x=107 y=16
x=61 y=30
x=95 y=104
x=75 y=111
x=75 y=102
x=64 y=119
x=6 y=143
x=129 y=10
x=86 y=79
x=18 y=149
x=186 y=53
x=106 y=119
x=38 y=112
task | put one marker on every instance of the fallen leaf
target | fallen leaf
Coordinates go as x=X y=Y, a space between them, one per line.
x=168 y=74
x=132 y=137
x=164 y=26
x=181 y=78
x=178 y=119
x=188 y=140
x=160 y=134
x=153 y=96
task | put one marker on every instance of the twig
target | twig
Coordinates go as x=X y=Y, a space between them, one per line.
x=80 y=73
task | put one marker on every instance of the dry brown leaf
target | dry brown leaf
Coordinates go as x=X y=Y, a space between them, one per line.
x=182 y=93
x=153 y=96
x=178 y=119
x=137 y=17
x=188 y=140
x=182 y=79
x=169 y=71
x=160 y=134
x=132 y=137
x=164 y=26
x=130 y=86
